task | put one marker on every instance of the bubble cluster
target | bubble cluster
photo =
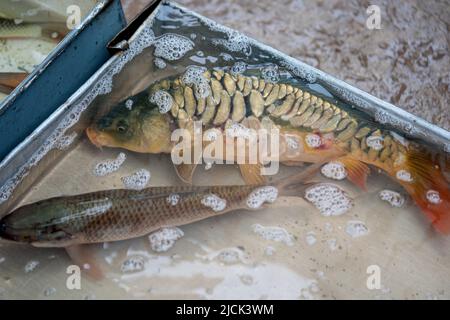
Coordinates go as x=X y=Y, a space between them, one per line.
x=129 y=104
x=164 y=239
x=292 y=143
x=195 y=76
x=236 y=42
x=261 y=195
x=313 y=140
x=271 y=74
x=433 y=197
x=238 y=68
x=160 y=63
x=236 y=130
x=133 y=264
x=172 y=46
x=311 y=238
x=173 y=199
x=276 y=234
x=109 y=166
x=138 y=180
x=65 y=141
x=375 y=142
x=163 y=100
x=214 y=202
x=394 y=198
x=49 y=291
x=329 y=199
x=404 y=176
x=334 y=170
x=31 y=265
x=356 y=228
x=212 y=134
x=302 y=72
x=332 y=244
x=231 y=255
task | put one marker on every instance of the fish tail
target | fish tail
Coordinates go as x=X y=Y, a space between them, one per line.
x=423 y=179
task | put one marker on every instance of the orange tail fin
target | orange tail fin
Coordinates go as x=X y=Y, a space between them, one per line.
x=425 y=182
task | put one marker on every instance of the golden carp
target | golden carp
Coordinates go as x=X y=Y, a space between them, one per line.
x=311 y=128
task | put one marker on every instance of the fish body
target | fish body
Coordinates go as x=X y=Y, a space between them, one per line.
x=115 y=215
x=312 y=128
x=9 y=29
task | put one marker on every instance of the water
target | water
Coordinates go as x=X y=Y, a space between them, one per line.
x=321 y=248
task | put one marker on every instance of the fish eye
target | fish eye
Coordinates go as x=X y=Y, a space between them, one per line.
x=122 y=126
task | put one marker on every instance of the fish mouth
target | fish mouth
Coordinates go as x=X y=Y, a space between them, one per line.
x=94 y=136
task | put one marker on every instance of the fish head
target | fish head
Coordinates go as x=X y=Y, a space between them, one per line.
x=37 y=222
x=139 y=128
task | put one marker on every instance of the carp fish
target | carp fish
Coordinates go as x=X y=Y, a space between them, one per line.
x=312 y=125
x=113 y=215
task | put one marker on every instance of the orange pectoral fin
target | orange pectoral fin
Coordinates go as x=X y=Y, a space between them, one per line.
x=357 y=171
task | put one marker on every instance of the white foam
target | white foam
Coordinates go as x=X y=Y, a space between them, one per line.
x=238 y=68
x=356 y=228
x=173 y=199
x=195 y=76
x=236 y=130
x=292 y=143
x=271 y=74
x=332 y=244
x=133 y=264
x=65 y=141
x=31 y=265
x=160 y=63
x=334 y=170
x=138 y=180
x=313 y=140
x=311 y=238
x=2 y=259
x=164 y=239
x=269 y=251
x=129 y=104
x=229 y=256
x=212 y=134
x=276 y=234
x=172 y=46
x=110 y=258
x=214 y=202
x=236 y=42
x=433 y=197
x=262 y=195
x=394 y=198
x=329 y=199
x=208 y=165
x=375 y=142
x=49 y=291
x=163 y=100
x=109 y=166
x=404 y=175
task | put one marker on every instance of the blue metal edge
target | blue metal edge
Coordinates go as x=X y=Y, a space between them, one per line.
x=82 y=52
